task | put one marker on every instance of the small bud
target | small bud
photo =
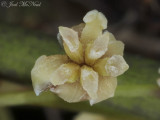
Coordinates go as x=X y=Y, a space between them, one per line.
x=90 y=116
x=158 y=82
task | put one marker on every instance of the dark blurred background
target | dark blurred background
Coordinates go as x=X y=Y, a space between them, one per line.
x=135 y=22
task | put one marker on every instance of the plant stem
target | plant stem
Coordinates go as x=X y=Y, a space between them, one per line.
x=48 y=99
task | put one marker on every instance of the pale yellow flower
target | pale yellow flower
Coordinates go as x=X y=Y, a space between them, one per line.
x=90 y=116
x=88 y=72
x=158 y=80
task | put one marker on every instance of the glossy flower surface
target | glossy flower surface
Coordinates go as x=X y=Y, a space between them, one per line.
x=89 y=69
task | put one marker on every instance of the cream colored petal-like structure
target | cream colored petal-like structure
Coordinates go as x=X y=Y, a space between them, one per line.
x=95 y=23
x=106 y=89
x=113 y=66
x=71 y=92
x=111 y=36
x=68 y=72
x=115 y=48
x=72 y=45
x=79 y=28
x=96 y=49
x=89 y=81
x=43 y=69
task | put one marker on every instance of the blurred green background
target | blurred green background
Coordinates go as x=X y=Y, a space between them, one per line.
x=28 y=31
